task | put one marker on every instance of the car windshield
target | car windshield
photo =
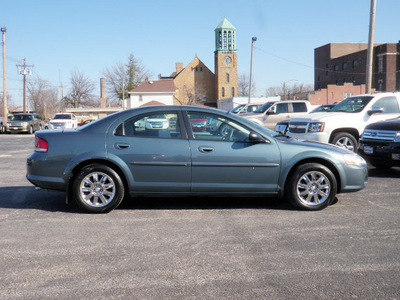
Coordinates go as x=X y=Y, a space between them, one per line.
x=62 y=117
x=322 y=108
x=21 y=118
x=263 y=108
x=237 y=109
x=352 y=104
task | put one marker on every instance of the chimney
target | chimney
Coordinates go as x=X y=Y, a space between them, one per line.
x=179 y=67
x=102 y=93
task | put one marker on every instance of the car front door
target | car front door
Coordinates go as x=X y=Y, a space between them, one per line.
x=278 y=112
x=156 y=151
x=226 y=161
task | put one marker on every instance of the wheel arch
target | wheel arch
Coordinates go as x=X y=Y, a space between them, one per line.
x=353 y=131
x=105 y=162
x=321 y=161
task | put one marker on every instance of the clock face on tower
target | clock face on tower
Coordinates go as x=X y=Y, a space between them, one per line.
x=227 y=60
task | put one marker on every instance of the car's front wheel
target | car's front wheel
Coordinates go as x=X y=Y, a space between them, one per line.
x=311 y=186
x=345 y=140
x=98 y=189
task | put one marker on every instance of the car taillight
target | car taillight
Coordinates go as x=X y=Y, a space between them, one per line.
x=41 y=145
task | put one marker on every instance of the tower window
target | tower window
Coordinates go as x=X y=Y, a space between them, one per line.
x=223 y=92
x=227 y=77
x=225 y=40
x=229 y=40
x=233 y=92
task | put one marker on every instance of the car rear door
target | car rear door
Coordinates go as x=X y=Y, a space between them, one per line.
x=157 y=158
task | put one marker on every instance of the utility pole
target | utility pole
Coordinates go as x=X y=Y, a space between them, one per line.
x=3 y=30
x=370 y=58
x=26 y=70
x=253 y=39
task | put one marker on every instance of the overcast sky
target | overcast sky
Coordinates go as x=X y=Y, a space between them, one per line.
x=58 y=37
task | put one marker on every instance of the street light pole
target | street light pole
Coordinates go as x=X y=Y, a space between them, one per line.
x=368 y=81
x=3 y=30
x=253 y=39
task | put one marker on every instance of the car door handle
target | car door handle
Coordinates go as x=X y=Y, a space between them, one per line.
x=121 y=146
x=206 y=149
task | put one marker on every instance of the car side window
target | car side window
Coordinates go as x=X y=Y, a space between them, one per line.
x=299 y=107
x=281 y=108
x=389 y=105
x=162 y=125
x=217 y=128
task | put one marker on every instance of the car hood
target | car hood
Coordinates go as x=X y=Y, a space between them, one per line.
x=60 y=121
x=392 y=124
x=313 y=145
x=323 y=116
x=251 y=115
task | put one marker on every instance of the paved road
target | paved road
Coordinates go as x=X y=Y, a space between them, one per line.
x=184 y=248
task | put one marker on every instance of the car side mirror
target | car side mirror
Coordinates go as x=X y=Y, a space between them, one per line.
x=270 y=112
x=254 y=137
x=375 y=110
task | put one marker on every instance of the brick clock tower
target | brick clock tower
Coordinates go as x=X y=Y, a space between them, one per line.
x=225 y=60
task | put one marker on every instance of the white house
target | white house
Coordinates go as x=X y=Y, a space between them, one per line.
x=151 y=92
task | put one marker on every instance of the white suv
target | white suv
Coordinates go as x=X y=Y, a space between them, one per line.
x=61 y=121
x=345 y=122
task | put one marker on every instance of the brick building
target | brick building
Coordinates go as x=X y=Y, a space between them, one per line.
x=195 y=83
x=340 y=63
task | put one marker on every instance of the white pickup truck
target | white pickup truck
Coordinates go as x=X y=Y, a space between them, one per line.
x=345 y=122
x=273 y=112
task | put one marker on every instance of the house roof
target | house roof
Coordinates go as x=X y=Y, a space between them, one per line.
x=164 y=86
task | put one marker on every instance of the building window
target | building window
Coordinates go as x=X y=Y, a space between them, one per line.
x=327 y=73
x=336 y=68
x=229 y=40
x=347 y=95
x=380 y=64
x=355 y=63
x=223 y=92
x=233 y=92
x=225 y=40
x=344 y=66
x=140 y=98
x=227 y=77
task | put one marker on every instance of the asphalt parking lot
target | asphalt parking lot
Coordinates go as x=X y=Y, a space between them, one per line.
x=185 y=248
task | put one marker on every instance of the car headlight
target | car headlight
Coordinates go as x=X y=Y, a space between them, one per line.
x=316 y=127
x=354 y=159
x=397 y=137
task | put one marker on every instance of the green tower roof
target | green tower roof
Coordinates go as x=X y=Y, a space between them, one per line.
x=225 y=24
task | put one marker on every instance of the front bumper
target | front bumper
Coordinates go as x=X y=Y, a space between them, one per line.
x=322 y=137
x=382 y=153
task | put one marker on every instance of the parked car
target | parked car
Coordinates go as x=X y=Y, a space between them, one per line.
x=344 y=123
x=2 y=123
x=273 y=112
x=198 y=124
x=246 y=108
x=249 y=160
x=83 y=123
x=283 y=126
x=380 y=144
x=24 y=122
x=61 y=121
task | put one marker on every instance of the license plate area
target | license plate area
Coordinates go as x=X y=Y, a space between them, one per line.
x=368 y=150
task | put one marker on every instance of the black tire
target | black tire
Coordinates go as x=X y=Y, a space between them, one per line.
x=30 y=130
x=98 y=189
x=345 y=140
x=311 y=186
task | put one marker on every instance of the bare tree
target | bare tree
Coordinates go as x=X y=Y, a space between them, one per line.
x=82 y=88
x=42 y=97
x=286 y=91
x=124 y=77
x=243 y=85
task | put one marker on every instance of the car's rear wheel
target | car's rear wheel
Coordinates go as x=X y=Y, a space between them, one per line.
x=98 y=189
x=345 y=140
x=311 y=186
